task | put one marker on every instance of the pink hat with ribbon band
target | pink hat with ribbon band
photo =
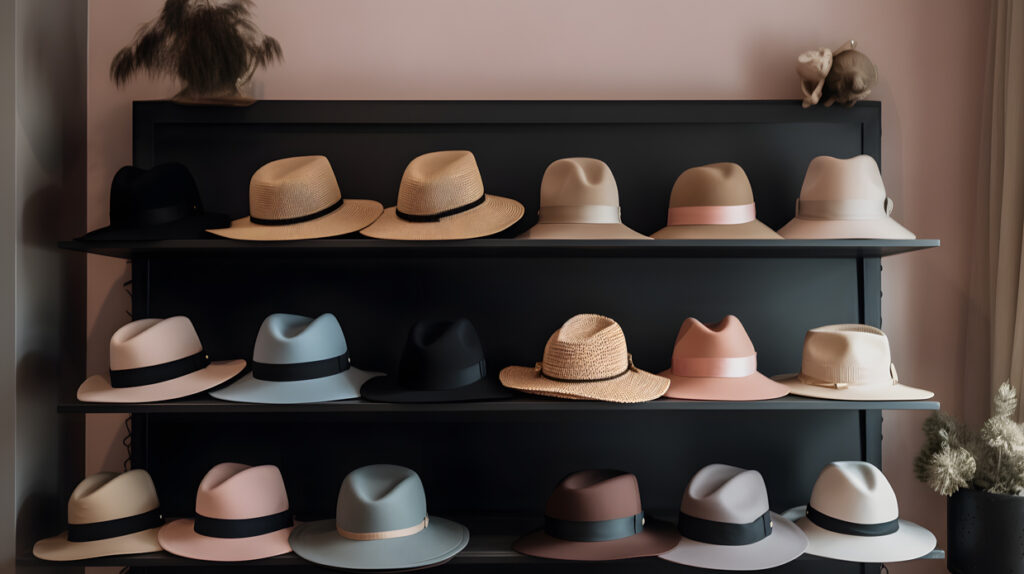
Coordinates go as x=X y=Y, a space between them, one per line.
x=717 y=363
x=713 y=202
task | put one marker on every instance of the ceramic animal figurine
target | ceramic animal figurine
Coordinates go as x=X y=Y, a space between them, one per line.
x=843 y=76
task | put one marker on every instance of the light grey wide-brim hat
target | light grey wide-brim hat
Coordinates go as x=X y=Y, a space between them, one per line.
x=381 y=524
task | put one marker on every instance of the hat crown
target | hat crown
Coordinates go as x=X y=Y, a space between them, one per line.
x=578 y=181
x=833 y=179
x=439 y=181
x=149 y=342
x=724 y=339
x=134 y=191
x=724 y=493
x=437 y=349
x=711 y=185
x=586 y=347
x=110 y=495
x=381 y=498
x=855 y=491
x=293 y=187
x=850 y=354
x=592 y=495
x=288 y=339
x=237 y=491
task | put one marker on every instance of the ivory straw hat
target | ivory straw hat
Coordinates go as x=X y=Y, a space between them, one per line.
x=299 y=198
x=442 y=197
x=381 y=524
x=157 y=360
x=242 y=513
x=713 y=202
x=587 y=359
x=849 y=363
x=109 y=514
x=579 y=200
x=726 y=524
x=853 y=515
x=844 y=199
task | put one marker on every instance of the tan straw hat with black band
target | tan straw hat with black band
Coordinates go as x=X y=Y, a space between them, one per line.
x=587 y=359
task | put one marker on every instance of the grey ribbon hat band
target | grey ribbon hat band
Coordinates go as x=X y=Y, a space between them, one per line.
x=594 y=531
x=725 y=533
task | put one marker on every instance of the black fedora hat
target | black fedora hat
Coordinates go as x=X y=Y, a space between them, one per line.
x=443 y=362
x=158 y=203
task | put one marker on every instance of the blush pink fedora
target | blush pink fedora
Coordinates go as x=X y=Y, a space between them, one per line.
x=242 y=513
x=717 y=363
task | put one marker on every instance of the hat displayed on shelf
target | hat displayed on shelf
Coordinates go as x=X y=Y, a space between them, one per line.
x=587 y=359
x=713 y=202
x=158 y=203
x=109 y=514
x=717 y=363
x=296 y=360
x=157 y=360
x=579 y=200
x=242 y=513
x=853 y=515
x=299 y=198
x=726 y=524
x=381 y=524
x=442 y=197
x=844 y=199
x=596 y=515
x=443 y=361
x=851 y=363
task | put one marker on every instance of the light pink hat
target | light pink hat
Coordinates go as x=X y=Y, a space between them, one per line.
x=242 y=513
x=717 y=363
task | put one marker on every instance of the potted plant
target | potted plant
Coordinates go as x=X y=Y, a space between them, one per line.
x=982 y=473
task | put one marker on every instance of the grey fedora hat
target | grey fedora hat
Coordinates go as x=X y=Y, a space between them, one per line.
x=296 y=360
x=725 y=523
x=381 y=524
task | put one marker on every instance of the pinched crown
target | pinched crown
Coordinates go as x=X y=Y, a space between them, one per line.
x=293 y=187
x=586 y=348
x=440 y=181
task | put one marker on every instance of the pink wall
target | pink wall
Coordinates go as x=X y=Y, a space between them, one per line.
x=930 y=55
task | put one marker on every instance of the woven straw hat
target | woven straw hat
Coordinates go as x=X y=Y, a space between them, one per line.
x=299 y=198
x=442 y=197
x=713 y=202
x=587 y=359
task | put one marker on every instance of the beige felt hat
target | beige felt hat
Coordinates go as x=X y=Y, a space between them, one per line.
x=587 y=359
x=442 y=197
x=299 y=198
x=713 y=202
x=579 y=200
x=849 y=363
x=844 y=199
x=109 y=514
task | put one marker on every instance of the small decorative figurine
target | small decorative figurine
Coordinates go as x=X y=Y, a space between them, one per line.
x=844 y=76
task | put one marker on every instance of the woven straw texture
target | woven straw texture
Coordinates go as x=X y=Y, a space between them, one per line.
x=587 y=348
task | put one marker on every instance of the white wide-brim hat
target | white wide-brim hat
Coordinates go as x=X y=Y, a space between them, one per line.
x=785 y=544
x=909 y=542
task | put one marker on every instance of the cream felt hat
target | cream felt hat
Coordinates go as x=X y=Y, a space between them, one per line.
x=157 y=360
x=713 y=202
x=844 y=199
x=853 y=515
x=579 y=200
x=587 y=359
x=442 y=197
x=109 y=514
x=849 y=363
x=299 y=198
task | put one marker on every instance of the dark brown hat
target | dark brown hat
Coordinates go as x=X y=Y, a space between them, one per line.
x=597 y=515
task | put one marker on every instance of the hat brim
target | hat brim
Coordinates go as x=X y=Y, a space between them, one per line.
x=635 y=386
x=753 y=387
x=885 y=228
x=908 y=543
x=656 y=538
x=191 y=227
x=181 y=539
x=494 y=215
x=797 y=386
x=59 y=549
x=319 y=542
x=389 y=389
x=749 y=230
x=785 y=544
x=353 y=215
x=581 y=231
x=97 y=388
x=338 y=387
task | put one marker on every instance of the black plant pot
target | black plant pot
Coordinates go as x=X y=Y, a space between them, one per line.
x=986 y=533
